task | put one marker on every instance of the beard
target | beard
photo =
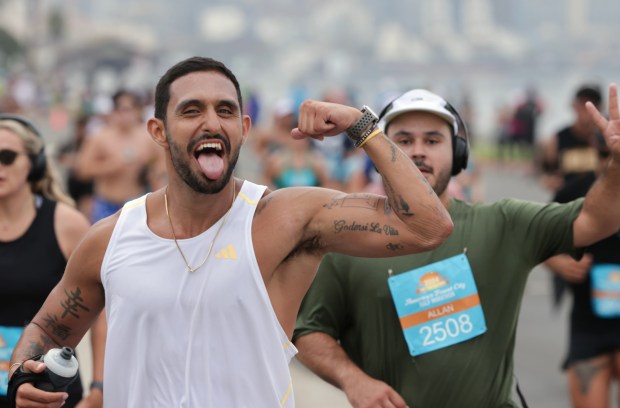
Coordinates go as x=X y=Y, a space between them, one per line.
x=442 y=177
x=195 y=180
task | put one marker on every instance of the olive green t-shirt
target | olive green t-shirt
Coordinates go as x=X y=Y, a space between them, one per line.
x=350 y=300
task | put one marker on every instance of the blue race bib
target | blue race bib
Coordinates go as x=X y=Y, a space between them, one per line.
x=606 y=290
x=438 y=305
x=8 y=340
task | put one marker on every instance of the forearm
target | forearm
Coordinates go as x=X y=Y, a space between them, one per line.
x=322 y=354
x=33 y=341
x=556 y=263
x=600 y=216
x=98 y=340
x=409 y=194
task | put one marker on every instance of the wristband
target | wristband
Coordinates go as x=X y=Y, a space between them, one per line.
x=366 y=122
x=369 y=135
x=97 y=384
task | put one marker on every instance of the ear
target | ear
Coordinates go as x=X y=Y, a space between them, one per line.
x=247 y=124
x=157 y=130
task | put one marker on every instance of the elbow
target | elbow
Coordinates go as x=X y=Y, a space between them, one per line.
x=438 y=235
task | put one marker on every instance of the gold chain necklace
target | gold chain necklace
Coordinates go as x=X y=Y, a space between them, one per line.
x=212 y=241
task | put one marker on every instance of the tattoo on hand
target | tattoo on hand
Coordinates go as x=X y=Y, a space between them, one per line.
x=394 y=247
x=368 y=201
x=72 y=303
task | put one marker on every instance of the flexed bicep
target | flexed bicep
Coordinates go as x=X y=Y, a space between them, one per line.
x=364 y=224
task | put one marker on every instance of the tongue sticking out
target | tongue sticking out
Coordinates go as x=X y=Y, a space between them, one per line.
x=211 y=164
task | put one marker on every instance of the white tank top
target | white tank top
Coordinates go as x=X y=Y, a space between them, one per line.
x=206 y=339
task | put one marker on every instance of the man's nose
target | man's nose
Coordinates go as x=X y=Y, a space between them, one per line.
x=211 y=122
x=418 y=149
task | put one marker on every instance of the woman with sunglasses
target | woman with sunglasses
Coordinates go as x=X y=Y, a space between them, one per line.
x=39 y=228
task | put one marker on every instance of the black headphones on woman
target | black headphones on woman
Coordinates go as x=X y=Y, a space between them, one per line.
x=38 y=161
x=460 y=135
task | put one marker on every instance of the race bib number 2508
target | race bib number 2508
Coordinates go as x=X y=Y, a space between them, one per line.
x=438 y=305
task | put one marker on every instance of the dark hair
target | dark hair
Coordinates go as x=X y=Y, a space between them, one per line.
x=193 y=64
x=589 y=93
x=135 y=98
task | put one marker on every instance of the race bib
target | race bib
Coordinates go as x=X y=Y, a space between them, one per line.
x=606 y=290
x=438 y=305
x=8 y=340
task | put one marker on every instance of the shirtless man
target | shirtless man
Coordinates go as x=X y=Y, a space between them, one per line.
x=119 y=157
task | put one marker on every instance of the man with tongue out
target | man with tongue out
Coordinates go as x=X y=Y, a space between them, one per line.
x=202 y=279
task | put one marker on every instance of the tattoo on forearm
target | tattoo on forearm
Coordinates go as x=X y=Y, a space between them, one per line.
x=368 y=201
x=394 y=247
x=403 y=207
x=35 y=347
x=72 y=303
x=376 y=227
x=428 y=185
x=394 y=151
x=59 y=330
x=586 y=371
x=398 y=203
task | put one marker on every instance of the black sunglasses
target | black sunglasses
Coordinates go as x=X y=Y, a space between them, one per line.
x=7 y=156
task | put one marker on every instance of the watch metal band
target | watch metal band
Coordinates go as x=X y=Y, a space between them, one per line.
x=365 y=123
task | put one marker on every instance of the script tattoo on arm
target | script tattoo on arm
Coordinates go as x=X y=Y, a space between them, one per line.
x=375 y=227
x=394 y=247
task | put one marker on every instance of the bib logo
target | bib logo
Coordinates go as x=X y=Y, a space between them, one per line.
x=431 y=281
x=614 y=276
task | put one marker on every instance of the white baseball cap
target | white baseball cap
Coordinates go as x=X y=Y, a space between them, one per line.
x=419 y=100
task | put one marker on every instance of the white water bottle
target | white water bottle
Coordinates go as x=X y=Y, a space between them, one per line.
x=61 y=369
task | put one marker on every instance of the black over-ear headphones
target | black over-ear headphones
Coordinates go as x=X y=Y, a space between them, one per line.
x=39 y=161
x=460 y=140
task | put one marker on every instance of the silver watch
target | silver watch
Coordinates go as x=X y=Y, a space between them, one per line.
x=368 y=121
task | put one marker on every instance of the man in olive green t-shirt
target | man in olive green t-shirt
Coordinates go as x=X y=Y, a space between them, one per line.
x=349 y=331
